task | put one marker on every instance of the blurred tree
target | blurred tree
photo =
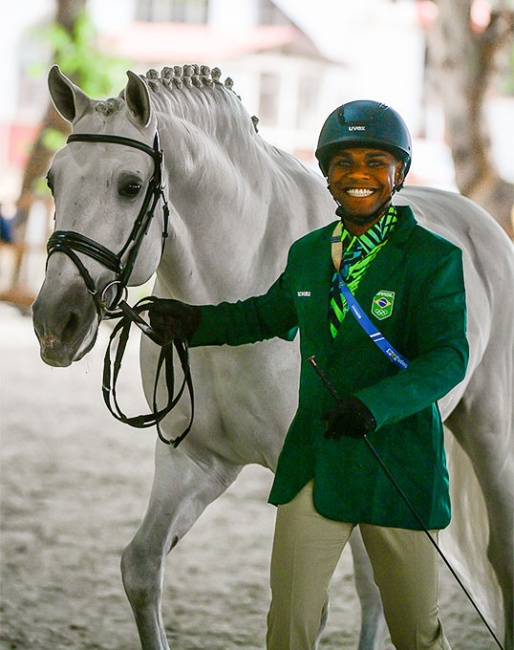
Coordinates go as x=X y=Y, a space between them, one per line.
x=464 y=51
x=72 y=37
x=67 y=14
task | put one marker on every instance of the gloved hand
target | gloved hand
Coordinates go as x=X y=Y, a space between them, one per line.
x=172 y=319
x=352 y=418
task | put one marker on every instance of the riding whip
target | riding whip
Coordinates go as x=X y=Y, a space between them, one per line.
x=312 y=361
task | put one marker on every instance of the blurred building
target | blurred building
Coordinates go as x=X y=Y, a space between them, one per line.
x=278 y=71
x=292 y=62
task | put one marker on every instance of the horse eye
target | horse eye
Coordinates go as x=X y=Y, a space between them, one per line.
x=130 y=189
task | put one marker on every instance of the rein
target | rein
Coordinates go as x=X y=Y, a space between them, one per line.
x=122 y=264
x=165 y=361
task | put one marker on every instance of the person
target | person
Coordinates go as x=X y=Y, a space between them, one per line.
x=410 y=284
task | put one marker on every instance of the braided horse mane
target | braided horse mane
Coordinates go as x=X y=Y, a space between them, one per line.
x=198 y=94
x=216 y=120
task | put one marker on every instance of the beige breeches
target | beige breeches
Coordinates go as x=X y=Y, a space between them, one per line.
x=306 y=550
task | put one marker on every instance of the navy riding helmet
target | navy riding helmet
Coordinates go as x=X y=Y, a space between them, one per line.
x=364 y=123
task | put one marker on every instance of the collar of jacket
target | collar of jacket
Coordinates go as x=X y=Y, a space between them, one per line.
x=393 y=253
x=405 y=225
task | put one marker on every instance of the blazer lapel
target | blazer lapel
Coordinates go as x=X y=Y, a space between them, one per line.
x=392 y=254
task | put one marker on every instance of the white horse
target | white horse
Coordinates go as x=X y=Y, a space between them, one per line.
x=237 y=204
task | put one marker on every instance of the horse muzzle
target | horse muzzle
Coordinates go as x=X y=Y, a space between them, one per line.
x=66 y=326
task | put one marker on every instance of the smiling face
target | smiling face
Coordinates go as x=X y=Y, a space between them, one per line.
x=362 y=180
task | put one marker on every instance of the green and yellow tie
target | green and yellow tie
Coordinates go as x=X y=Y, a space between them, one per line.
x=358 y=253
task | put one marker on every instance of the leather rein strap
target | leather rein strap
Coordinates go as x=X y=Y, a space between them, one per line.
x=122 y=263
x=165 y=362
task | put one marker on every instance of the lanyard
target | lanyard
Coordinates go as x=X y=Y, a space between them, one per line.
x=374 y=334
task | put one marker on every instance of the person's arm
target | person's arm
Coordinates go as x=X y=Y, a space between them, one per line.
x=247 y=321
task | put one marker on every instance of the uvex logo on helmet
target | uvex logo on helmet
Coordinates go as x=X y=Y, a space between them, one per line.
x=364 y=123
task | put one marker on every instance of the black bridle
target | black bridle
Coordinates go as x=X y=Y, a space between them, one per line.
x=72 y=243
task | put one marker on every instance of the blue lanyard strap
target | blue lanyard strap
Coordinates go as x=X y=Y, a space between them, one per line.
x=374 y=334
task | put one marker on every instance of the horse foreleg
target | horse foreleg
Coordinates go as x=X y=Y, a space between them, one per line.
x=373 y=625
x=181 y=490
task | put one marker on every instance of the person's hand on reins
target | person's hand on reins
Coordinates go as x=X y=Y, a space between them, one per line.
x=352 y=418
x=172 y=319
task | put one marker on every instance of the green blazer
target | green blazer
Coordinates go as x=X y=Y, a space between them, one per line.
x=422 y=276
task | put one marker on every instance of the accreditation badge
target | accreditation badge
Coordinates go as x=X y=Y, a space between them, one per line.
x=382 y=304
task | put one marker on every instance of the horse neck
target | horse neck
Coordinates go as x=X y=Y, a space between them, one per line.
x=232 y=197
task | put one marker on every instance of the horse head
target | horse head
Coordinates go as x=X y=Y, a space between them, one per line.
x=107 y=185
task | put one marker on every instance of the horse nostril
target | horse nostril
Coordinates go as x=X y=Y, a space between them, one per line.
x=71 y=327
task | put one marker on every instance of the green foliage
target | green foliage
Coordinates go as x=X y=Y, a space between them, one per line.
x=78 y=56
x=53 y=140
x=76 y=53
x=508 y=84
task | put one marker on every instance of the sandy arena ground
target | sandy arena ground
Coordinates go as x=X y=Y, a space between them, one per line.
x=74 y=487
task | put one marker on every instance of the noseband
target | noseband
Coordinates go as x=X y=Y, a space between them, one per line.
x=70 y=243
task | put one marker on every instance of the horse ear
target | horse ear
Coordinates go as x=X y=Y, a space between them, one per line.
x=69 y=100
x=137 y=97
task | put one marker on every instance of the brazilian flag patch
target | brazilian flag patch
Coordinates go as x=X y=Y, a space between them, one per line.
x=382 y=304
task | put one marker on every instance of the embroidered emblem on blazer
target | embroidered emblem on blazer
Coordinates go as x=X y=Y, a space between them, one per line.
x=382 y=304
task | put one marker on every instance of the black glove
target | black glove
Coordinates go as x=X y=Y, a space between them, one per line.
x=352 y=418
x=172 y=319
